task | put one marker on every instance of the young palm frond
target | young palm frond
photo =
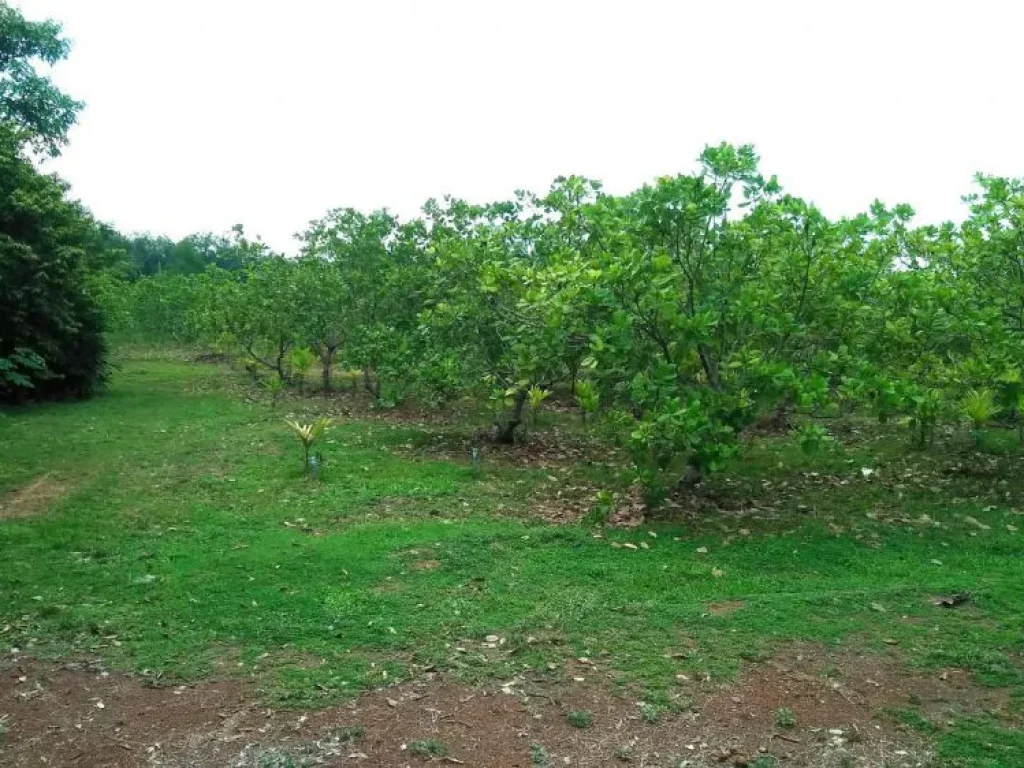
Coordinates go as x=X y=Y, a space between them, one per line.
x=308 y=434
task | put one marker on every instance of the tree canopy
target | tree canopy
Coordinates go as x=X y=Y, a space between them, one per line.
x=39 y=113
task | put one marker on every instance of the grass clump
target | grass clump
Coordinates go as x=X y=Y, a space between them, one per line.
x=350 y=733
x=579 y=718
x=785 y=718
x=428 y=748
x=539 y=756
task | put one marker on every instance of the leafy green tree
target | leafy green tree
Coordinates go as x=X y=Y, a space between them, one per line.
x=257 y=309
x=36 y=112
x=680 y=282
x=725 y=300
x=51 y=341
x=374 y=298
x=196 y=252
x=482 y=321
x=149 y=254
x=324 y=317
x=993 y=252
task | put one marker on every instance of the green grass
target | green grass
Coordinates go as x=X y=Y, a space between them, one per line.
x=187 y=541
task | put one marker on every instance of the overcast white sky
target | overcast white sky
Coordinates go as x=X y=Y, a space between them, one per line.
x=204 y=113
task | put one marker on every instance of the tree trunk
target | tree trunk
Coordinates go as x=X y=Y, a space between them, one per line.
x=505 y=430
x=691 y=477
x=710 y=368
x=326 y=361
x=282 y=347
x=370 y=382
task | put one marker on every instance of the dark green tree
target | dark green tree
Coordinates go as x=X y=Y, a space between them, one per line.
x=51 y=341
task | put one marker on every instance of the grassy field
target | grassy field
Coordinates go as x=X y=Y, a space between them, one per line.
x=166 y=527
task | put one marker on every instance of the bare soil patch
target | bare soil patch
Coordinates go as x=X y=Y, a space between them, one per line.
x=840 y=704
x=725 y=607
x=32 y=499
x=78 y=714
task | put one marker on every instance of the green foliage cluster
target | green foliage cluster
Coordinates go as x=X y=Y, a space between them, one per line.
x=679 y=314
x=51 y=340
x=37 y=112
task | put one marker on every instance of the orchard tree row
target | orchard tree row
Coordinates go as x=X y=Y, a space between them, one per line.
x=683 y=311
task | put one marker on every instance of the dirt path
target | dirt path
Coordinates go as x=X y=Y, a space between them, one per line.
x=77 y=714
